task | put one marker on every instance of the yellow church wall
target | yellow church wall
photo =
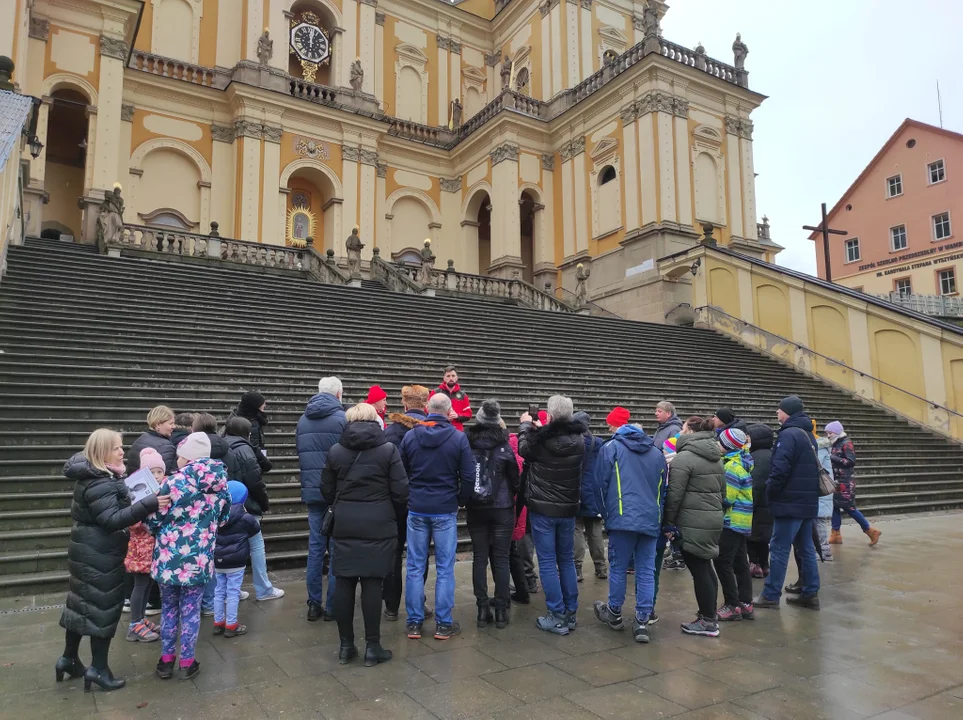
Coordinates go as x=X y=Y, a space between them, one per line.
x=557 y=203
x=482 y=8
x=896 y=353
x=66 y=52
x=197 y=135
x=289 y=154
x=207 y=48
x=535 y=74
x=146 y=30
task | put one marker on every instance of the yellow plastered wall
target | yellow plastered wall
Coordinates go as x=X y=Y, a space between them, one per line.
x=146 y=30
x=74 y=52
x=207 y=48
x=149 y=125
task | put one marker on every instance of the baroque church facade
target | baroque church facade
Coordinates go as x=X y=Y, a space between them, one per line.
x=523 y=138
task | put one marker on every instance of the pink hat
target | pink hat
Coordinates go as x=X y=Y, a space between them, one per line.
x=150 y=459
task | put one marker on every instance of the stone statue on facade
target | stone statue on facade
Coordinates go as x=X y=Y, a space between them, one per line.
x=357 y=75
x=651 y=29
x=265 y=47
x=506 y=73
x=456 y=113
x=354 y=246
x=581 y=285
x=427 y=263
x=110 y=221
x=739 y=51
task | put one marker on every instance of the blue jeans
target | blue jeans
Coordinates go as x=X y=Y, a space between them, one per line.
x=226 y=596
x=623 y=548
x=555 y=546
x=854 y=514
x=317 y=543
x=785 y=532
x=207 y=600
x=262 y=583
x=422 y=529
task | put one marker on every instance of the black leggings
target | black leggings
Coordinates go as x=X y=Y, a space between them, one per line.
x=138 y=597
x=758 y=553
x=732 y=567
x=517 y=568
x=491 y=537
x=705 y=582
x=99 y=647
x=344 y=593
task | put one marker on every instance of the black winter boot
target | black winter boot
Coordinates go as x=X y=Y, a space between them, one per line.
x=347 y=653
x=485 y=617
x=501 y=618
x=374 y=654
x=72 y=667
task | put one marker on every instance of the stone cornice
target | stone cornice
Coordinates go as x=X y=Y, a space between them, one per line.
x=548 y=163
x=505 y=151
x=114 y=48
x=451 y=185
x=222 y=133
x=39 y=29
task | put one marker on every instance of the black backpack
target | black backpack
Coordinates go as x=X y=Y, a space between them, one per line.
x=483 y=483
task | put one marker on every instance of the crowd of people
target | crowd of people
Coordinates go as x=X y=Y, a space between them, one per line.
x=723 y=499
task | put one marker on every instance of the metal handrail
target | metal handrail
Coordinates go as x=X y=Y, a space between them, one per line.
x=834 y=361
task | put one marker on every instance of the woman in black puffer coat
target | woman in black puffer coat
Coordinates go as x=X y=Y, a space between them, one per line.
x=760 y=438
x=365 y=480
x=102 y=512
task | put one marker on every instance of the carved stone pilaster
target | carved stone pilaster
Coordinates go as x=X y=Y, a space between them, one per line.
x=382 y=170
x=247 y=128
x=222 y=133
x=451 y=185
x=548 y=163
x=739 y=127
x=351 y=154
x=39 y=29
x=126 y=113
x=629 y=113
x=680 y=107
x=577 y=146
x=505 y=151
x=272 y=134
x=114 y=47
x=454 y=46
x=747 y=128
x=444 y=43
x=379 y=17
x=368 y=157
x=492 y=59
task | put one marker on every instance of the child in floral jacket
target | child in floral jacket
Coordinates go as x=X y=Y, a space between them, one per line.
x=183 y=560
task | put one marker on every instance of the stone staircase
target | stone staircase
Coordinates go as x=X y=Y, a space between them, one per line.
x=89 y=341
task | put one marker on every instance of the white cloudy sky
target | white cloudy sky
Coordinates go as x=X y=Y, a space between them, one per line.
x=841 y=75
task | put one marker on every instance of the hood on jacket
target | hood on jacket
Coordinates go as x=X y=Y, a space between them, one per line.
x=557 y=428
x=760 y=437
x=582 y=417
x=799 y=420
x=78 y=469
x=703 y=444
x=675 y=421
x=409 y=418
x=434 y=432
x=633 y=438
x=362 y=435
x=208 y=474
x=485 y=437
x=824 y=443
x=219 y=446
x=322 y=405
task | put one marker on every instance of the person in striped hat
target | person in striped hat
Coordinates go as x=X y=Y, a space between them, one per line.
x=732 y=565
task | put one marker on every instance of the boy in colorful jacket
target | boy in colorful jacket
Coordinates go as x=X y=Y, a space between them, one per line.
x=732 y=565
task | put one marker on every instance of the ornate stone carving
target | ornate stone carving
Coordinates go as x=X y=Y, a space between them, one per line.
x=586 y=4
x=427 y=262
x=506 y=72
x=247 y=128
x=110 y=219
x=39 y=29
x=577 y=146
x=272 y=134
x=351 y=154
x=548 y=163
x=265 y=47
x=354 y=246
x=444 y=43
x=505 y=151
x=739 y=52
x=454 y=46
x=582 y=275
x=545 y=8
x=114 y=47
x=451 y=185
x=379 y=17
x=126 y=113
x=368 y=157
x=222 y=133
x=357 y=75
x=629 y=113
x=382 y=170
x=310 y=148
x=491 y=59
x=739 y=127
x=680 y=107
x=655 y=102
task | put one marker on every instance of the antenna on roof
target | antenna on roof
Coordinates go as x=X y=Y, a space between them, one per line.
x=939 y=102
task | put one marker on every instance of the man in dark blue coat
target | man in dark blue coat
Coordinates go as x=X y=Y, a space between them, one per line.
x=588 y=524
x=792 y=491
x=632 y=479
x=319 y=429
x=441 y=473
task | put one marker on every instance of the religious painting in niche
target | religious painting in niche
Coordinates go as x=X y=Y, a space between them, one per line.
x=310 y=44
x=301 y=223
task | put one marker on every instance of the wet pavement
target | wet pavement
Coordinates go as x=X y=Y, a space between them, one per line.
x=888 y=643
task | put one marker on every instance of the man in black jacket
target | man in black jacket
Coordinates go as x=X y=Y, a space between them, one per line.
x=554 y=453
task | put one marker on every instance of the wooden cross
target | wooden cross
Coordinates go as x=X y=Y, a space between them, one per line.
x=824 y=228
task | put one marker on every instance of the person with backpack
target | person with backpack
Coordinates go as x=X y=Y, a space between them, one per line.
x=491 y=511
x=588 y=524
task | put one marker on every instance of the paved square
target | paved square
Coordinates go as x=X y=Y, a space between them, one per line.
x=887 y=643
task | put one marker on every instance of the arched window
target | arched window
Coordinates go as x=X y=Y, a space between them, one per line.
x=607 y=175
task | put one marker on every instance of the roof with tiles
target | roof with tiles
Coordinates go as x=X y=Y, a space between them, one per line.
x=14 y=111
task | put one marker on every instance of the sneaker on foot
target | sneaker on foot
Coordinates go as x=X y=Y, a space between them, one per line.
x=756 y=571
x=139 y=632
x=748 y=612
x=153 y=626
x=165 y=670
x=640 y=631
x=218 y=628
x=532 y=585
x=244 y=595
x=126 y=606
x=653 y=618
x=446 y=632
x=608 y=616
x=553 y=624
x=391 y=616
x=571 y=619
x=729 y=613
x=190 y=671
x=762 y=601
x=275 y=594
x=234 y=631
x=521 y=599
x=152 y=610
x=701 y=626
x=414 y=630
x=602 y=574
x=207 y=612
x=810 y=601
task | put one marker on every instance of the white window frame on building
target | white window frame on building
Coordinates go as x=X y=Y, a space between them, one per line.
x=937 y=168
x=898 y=232
x=894 y=186
x=903 y=286
x=850 y=245
x=946 y=281
x=941 y=220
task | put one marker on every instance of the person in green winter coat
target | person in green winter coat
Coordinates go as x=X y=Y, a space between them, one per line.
x=694 y=505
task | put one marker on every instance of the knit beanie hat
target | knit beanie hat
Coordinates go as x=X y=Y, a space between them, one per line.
x=250 y=404
x=618 y=417
x=835 y=428
x=670 y=446
x=732 y=439
x=150 y=459
x=238 y=491
x=791 y=405
x=725 y=415
x=490 y=413
x=375 y=393
x=195 y=446
x=415 y=396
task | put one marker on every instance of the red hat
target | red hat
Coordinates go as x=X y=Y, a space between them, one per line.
x=375 y=393
x=543 y=417
x=618 y=417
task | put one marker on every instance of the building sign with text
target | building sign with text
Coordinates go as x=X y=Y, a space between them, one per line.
x=913 y=256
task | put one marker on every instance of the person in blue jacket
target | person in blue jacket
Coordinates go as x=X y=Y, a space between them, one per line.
x=588 y=524
x=792 y=491
x=631 y=474
x=319 y=429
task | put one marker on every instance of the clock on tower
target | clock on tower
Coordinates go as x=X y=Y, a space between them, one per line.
x=310 y=44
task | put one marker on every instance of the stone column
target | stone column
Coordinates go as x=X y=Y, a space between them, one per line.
x=492 y=61
x=368 y=198
x=748 y=181
x=124 y=142
x=662 y=104
x=630 y=168
x=572 y=9
x=280 y=24
x=506 y=218
x=442 y=80
x=733 y=162
x=381 y=196
x=349 y=39
x=349 y=180
x=247 y=225
x=105 y=149
x=558 y=47
x=568 y=203
x=683 y=162
x=379 y=58
x=647 y=178
x=366 y=48
x=338 y=61
x=272 y=173
x=545 y=231
x=546 y=31
x=454 y=73
x=256 y=21
x=580 y=183
x=587 y=38
x=224 y=159
x=448 y=246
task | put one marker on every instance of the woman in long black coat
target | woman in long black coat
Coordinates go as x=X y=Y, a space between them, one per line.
x=760 y=438
x=102 y=513
x=365 y=480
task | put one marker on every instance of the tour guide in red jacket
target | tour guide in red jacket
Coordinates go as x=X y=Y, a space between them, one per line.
x=460 y=404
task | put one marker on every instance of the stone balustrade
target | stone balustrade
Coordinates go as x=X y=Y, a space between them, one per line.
x=179 y=70
x=411 y=130
x=313 y=92
x=397 y=278
x=933 y=305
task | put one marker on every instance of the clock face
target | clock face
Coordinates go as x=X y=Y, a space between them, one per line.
x=310 y=43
